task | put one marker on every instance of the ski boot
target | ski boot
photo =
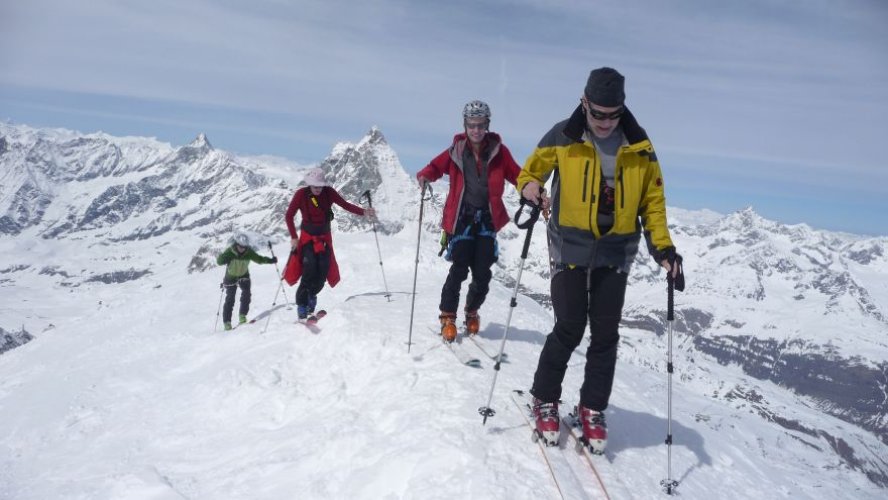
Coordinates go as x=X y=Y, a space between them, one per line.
x=242 y=319
x=302 y=311
x=226 y=326
x=594 y=429
x=548 y=422
x=473 y=322
x=448 y=326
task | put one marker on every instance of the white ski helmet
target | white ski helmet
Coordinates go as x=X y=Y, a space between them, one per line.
x=476 y=109
x=242 y=239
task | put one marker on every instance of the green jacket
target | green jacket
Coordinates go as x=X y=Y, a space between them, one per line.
x=238 y=263
x=574 y=235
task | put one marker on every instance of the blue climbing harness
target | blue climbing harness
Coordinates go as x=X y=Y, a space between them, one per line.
x=477 y=227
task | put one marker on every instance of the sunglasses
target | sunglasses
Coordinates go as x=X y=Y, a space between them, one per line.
x=603 y=115
x=477 y=126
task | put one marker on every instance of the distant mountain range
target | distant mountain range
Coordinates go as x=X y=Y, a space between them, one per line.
x=767 y=303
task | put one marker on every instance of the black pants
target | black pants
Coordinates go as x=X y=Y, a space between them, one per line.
x=231 y=285
x=314 y=273
x=478 y=253
x=577 y=295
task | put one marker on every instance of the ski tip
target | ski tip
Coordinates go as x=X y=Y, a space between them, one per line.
x=474 y=363
x=309 y=326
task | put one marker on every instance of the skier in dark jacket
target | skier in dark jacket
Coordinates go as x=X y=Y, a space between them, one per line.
x=479 y=165
x=237 y=259
x=312 y=261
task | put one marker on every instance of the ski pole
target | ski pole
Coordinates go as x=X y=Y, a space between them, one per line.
x=669 y=484
x=487 y=411
x=425 y=185
x=276 y=292
x=219 y=309
x=268 y=319
x=378 y=251
x=280 y=280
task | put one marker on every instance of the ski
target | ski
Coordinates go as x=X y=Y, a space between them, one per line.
x=464 y=357
x=311 y=322
x=313 y=328
x=235 y=325
x=566 y=482
x=314 y=318
x=264 y=314
x=601 y=468
x=459 y=351
x=491 y=355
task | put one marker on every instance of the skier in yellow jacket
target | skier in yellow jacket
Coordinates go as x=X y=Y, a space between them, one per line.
x=606 y=180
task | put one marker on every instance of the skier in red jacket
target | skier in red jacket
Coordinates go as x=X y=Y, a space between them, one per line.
x=312 y=258
x=479 y=165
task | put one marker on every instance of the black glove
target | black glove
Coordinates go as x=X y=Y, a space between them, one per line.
x=274 y=260
x=675 y=261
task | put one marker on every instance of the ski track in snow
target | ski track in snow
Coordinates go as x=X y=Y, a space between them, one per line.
x=138 y=398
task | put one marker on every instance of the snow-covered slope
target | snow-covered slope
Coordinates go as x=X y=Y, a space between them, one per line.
x=126 y=390
x=133 y=395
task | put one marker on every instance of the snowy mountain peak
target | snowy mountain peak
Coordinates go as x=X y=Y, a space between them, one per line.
x=197 y=149
x=745 y=219
x=201 y=142
x=370 y=165
x=373 y=137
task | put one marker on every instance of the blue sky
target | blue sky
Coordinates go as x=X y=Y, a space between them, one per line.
x=765 y=103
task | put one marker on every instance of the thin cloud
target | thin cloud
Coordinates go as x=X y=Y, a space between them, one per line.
x=789 y=83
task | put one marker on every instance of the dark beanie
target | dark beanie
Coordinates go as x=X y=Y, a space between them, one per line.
x=605 y=87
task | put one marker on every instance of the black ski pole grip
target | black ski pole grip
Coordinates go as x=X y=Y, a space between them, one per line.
x=366 y=194
x=533 y=216
x=427 y=186
x=670 y=296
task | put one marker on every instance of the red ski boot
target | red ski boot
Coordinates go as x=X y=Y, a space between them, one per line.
x=594 y=430
x=547 y=422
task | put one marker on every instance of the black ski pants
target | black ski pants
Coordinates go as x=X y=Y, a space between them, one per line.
x=579 y=295
x=315 y=266
x=231 y=285
x=476 y=252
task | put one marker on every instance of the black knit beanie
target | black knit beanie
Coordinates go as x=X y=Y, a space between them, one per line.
x=605 y=87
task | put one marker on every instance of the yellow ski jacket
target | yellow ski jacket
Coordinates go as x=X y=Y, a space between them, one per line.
x=573 y=232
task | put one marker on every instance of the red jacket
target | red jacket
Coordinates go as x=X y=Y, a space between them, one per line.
x=501 y=167
x=293 y=271
x=314 y=211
